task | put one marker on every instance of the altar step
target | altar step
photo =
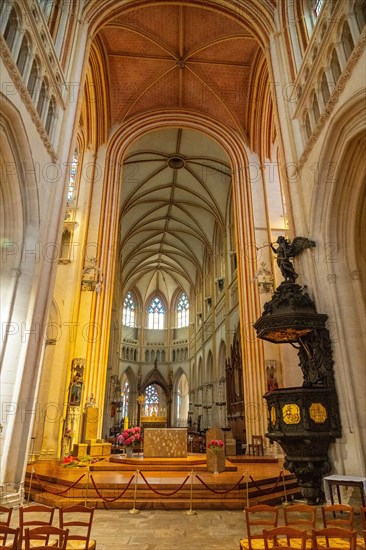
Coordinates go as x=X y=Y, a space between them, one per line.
x=252 y=459
x=219 y=493
x=122 y=463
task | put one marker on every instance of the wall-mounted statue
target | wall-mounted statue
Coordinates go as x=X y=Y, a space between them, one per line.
x=286 y=250
x=77 y=379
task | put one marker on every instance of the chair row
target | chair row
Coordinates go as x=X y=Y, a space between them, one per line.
x=36 y=524
x=35 y=539
x=290 y=538
x=299 y=516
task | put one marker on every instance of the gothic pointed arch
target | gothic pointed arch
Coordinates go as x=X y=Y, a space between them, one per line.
x=19 y=207
x=156 y=377
x=236 y=151
x=209 y=370
x=128 y=388
x=199 y=372
x=221 y=356
x=129 y=375
x=338 y=226
x=20 y=226
x=257 y=16
x=95 y=109
x=181 y=398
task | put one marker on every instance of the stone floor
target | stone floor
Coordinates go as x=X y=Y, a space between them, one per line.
x=169 y=530
x=159 y=530
x=165 y=530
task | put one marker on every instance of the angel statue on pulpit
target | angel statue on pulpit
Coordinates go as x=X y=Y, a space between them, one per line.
x=286 y=250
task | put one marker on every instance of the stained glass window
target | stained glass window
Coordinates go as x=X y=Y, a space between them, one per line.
x=183 y=311
x=156 y=314
x=128 y=317
x=151 y=406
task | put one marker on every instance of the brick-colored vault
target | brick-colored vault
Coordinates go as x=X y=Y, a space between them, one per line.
x=179 y=57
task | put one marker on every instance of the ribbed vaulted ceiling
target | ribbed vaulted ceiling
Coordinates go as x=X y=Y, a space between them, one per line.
x=174 y=198
x=179 y=56
x=176 y=57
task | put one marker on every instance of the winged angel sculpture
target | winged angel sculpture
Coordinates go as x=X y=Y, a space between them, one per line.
x=286 y=250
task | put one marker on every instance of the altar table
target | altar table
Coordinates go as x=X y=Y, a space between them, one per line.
x=165 y=442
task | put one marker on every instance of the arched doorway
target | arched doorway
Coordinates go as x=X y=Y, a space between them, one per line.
x=236 y=151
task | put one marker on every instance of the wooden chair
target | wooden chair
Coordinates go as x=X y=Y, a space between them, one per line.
x=301 y=516
x=258 y=517
x=363 y=517
x=256 y=446
x=338 y=515
x=5 y=515
x=38 y=538
x=361 y=541
x=284 y=538
x=334 y=538
x=70 y=517
x=35 y=515
x=8 y=532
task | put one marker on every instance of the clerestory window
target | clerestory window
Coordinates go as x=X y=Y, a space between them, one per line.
x=156 y=314
x=129 y=308
x=183 y=311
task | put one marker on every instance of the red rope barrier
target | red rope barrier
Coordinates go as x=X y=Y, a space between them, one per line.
x=164 y=494
x=219 y=492
x=60 y=492
x=114 y=498
x=270 y=490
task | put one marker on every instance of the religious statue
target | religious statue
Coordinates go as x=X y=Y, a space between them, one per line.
x=316 y=361
x=76 y=385
x=91 y=403
x=286 y=250
x=272 y=383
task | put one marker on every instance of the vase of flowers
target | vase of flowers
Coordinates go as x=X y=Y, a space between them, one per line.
x=216 y=446
x=128 y=438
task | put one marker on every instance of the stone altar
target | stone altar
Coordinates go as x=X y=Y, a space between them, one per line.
x=165 y=443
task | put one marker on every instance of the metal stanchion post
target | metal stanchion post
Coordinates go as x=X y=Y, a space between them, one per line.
x=247 y=486
x=134 y=510
x=30 y=485
x=87 y=485
x=284 y=487
x=191 y=512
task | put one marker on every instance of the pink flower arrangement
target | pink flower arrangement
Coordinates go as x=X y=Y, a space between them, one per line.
x=215 y=445
x=129 y=436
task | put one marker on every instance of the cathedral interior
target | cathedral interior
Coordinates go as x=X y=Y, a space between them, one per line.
x=153 y=154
